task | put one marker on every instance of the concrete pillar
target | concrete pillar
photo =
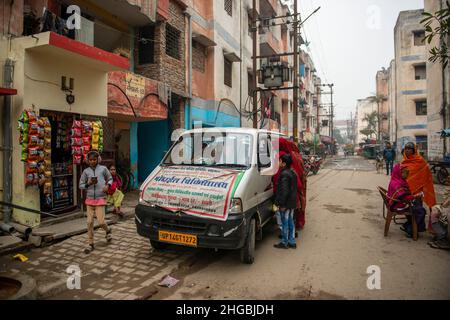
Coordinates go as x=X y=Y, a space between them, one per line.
x=134 y=151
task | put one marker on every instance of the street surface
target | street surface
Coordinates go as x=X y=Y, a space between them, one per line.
x=342 y=238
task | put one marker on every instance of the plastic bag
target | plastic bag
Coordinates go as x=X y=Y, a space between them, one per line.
x=77 y=142
x=33 y=127
x=77 y=151
x=33 y=140
x=76 y=133
x=76 y=124
x=33 y=153
x=86 y=141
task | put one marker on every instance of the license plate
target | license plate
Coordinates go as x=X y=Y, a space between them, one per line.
x=178 y=238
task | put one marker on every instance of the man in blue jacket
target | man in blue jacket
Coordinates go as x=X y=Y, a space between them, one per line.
x=389 y=157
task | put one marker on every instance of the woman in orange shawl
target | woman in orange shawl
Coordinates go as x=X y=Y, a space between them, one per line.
x=420 y=177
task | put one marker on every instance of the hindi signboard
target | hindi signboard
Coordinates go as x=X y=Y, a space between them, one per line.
x=199 y=191
x=135 y=86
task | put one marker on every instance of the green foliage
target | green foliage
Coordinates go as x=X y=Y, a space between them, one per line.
x=442 y=30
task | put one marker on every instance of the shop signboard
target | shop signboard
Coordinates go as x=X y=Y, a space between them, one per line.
x=135 y=86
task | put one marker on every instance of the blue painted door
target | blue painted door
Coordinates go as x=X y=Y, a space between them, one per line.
x=153 y=142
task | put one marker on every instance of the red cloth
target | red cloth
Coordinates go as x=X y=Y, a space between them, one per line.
x=116 y=184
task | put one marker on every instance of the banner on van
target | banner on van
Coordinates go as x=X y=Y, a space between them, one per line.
x=199 y=191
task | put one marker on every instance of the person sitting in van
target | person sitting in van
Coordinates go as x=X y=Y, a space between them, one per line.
x=286 y=200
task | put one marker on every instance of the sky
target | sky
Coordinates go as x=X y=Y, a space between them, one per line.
x=350 y=40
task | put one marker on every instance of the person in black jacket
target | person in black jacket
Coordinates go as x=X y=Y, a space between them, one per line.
x=286 y=200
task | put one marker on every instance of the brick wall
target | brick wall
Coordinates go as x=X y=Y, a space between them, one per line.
x=167 y=69
x=11 y=18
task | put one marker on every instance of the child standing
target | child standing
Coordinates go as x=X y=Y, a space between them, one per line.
x=115 y=195
x=97 y=180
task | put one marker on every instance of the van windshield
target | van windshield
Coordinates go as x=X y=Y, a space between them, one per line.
x=212 y=149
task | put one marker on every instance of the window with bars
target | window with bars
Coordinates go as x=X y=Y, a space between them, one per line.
x=419 y=38
x=421 y=107
x=228 y=72
x=198 y=56
x=146 y=45
x=228 y=4
x=173 y=42
x=420 y=72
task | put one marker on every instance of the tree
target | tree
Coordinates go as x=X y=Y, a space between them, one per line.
x=371 y=119
x=378 y=99
x=442 y=30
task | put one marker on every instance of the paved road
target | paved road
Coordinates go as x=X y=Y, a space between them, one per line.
x=342 y=238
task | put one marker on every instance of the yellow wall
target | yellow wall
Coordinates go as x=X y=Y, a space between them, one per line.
x=46 y=63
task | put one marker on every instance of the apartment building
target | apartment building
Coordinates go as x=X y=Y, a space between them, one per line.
x=411 y=81
x=364 y=108
x=437 y=95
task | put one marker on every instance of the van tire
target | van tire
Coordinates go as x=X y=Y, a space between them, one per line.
x=248 y=251
x=158 y=245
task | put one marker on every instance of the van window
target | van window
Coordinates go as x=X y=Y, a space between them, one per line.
x=216 y=149
x=264 y=150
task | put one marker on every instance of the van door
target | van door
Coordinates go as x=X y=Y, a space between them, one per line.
x=265 y=185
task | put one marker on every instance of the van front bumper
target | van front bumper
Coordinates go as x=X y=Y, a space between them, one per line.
x=230 y=234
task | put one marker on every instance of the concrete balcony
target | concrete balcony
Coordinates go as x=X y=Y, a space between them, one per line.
x=268 y=8
x=269 y=44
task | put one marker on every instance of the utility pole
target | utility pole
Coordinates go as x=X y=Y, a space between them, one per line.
x=296 y=87
x=255 y=66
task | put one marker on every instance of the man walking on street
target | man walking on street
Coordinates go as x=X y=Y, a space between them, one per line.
x=389 y=157
x=286 y=200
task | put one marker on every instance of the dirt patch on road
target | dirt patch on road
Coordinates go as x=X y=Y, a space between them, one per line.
x=339 y=209
x=362 y=192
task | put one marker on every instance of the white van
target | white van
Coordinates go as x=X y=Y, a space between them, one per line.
x=213 y=189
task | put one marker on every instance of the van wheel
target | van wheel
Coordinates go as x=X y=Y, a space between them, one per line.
x=158 y=245
x=248 y=251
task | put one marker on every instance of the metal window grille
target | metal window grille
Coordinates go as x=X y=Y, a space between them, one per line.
x=229 y=7
x=173 y=42
x=199 y=56
x=420 y=72
x=421 y=108
x=228 y=73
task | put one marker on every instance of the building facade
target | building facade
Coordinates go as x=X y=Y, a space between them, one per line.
x=411 y=81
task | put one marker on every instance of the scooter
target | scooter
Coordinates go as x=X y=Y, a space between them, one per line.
x=315 y=163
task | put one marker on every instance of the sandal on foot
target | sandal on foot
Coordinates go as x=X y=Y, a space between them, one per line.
x=108 y=235
x=89 y=249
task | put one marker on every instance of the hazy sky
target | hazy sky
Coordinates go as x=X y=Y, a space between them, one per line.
x=350 y=40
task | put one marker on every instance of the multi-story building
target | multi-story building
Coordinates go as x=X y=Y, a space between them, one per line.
x=364 y=108
x=382 y=98
x=67 y=71
x=437 y=94
x=392 y=102
x=410 y=81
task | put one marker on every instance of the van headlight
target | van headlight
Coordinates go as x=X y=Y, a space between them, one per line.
x=236 y=206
